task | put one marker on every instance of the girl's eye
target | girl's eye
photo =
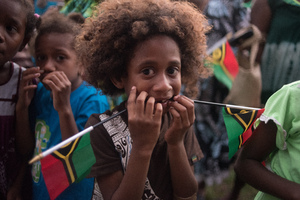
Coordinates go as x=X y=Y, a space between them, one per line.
x=172 y=70
x=40 y=57
x=147 y=71
x=11 y=29
x=60 y=58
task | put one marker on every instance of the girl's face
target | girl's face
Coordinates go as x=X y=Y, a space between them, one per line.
x=54 y=52
x=155 y=68
x=12 y=29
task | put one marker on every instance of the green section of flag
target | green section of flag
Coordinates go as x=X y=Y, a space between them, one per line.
x=225 y=64
x=71 y=163
x=221 y=76
x=234 y=130
x=83 y=158
x=239 y=126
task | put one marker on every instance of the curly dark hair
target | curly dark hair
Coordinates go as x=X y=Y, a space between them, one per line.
x=32 y=20
x=55 y=22
x=110 y=36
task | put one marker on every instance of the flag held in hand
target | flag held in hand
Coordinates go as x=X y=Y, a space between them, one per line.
x=67 y=165
x=239 y=126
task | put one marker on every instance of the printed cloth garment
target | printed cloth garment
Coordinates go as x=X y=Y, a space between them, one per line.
x=116 y=144
x=9 y=163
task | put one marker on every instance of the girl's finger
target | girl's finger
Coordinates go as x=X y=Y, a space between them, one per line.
x=131 y=98
x=149 y=108
x=140 y=103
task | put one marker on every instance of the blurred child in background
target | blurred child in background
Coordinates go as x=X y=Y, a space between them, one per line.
x=17 y=23
x=62 y=101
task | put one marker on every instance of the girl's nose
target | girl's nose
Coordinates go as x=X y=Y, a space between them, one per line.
x=163 y=84
x=48 y=66
x=1 y=35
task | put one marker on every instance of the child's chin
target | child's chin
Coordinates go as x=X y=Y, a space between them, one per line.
x=166 y=108
x=47 y=87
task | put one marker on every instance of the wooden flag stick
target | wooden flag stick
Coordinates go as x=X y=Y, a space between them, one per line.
x=227 y=105
x=70 y=139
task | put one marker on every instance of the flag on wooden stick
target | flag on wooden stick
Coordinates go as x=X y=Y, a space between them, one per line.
x=239 y=126
x=69 y=161
x=67 y=165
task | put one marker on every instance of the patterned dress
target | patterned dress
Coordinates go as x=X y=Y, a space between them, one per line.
x=9 y=163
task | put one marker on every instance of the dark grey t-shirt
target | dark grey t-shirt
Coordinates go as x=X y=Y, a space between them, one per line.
x=108 y=159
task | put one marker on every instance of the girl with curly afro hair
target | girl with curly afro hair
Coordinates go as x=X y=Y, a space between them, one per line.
x=147 y=49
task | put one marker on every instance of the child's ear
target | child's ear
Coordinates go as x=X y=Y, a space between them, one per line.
x=118 y=83
x=25 y=41
x=81 y=71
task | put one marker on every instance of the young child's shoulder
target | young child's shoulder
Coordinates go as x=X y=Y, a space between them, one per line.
x=283 y=108
x=92 y=94
x=15 y=73
x=294 y=85
x=291 y=90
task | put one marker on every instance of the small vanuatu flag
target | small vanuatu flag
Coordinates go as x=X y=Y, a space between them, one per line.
x=69 y=164
x=239 y=126
x=225 y=65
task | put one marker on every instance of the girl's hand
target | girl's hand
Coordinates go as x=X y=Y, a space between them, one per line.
x=13 y=194
x=183 y=112
x=27 y=86
x=60 y=87
x=144 y=120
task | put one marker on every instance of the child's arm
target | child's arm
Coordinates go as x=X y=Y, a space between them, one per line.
x=183 y=179
x=249 y=168
x=24 y=135
x=61 y=91
x=261 y=10
x=15 y=191
x=144 y=125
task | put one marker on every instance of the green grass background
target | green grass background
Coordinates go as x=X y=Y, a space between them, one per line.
x=217 y=192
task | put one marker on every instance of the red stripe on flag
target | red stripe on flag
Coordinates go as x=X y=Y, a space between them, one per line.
x=55 y=184
x=230 y=61
x=247 y=134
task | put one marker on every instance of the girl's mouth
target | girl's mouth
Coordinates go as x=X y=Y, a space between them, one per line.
x=165 y=103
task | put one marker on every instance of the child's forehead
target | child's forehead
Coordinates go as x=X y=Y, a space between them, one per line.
x=12 y=12
x=54 y=38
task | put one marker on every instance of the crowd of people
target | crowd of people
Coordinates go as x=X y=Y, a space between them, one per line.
x=67 y=65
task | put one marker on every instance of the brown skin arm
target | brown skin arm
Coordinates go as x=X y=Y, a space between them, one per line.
x=183 y=179
x=15 y=191
x=249 y=168
x=261 y=17
x=24 y=135
x=61 y=91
